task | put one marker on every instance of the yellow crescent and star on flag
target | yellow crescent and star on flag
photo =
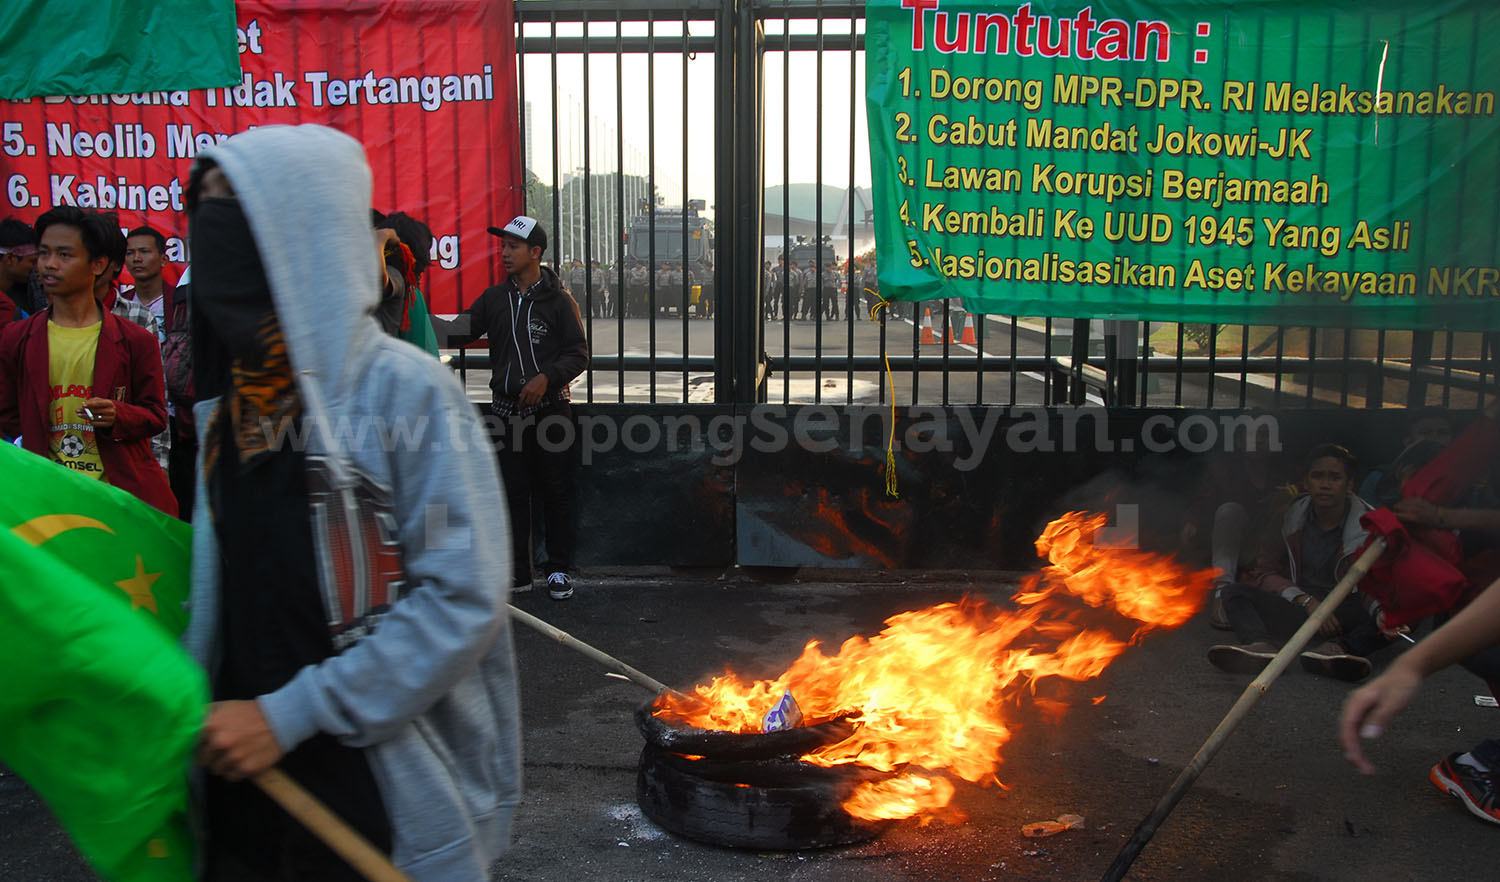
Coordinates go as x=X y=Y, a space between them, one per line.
x=39 y=529
x=76 y=544
x=102 y=532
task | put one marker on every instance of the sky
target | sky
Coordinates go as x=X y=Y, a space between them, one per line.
x=790 y=84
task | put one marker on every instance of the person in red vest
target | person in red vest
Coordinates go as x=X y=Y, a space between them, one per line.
x=79 y=384
x=1471 y=777
x=1435 y=569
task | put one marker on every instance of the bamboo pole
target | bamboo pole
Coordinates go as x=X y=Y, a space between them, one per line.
x=345 y=841
x=597 y=655
x=1252 y=694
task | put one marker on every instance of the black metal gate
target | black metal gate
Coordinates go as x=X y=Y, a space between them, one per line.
x=726 y=89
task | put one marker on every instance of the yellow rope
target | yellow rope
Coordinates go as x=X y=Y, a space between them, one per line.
x=890 y=444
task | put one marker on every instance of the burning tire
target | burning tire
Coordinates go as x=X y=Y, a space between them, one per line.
x=779 y=804
x=734 y=745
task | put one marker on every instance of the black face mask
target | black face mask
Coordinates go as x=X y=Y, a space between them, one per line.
x=229 y=287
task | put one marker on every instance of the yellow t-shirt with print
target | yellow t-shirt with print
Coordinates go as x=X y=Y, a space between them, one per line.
x=70 y=438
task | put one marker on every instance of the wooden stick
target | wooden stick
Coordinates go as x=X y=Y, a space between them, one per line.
x=597 y=655
x=1252 y=693
x=365 y=858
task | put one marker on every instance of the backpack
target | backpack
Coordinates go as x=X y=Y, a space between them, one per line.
x=1419 y=573
x=177 y=356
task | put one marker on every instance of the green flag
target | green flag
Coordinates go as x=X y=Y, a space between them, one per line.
x=420 y=333
x=59 y=47
x=99 y=530
x=101 y=709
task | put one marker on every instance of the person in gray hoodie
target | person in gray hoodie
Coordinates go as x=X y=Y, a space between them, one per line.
x=349 y=562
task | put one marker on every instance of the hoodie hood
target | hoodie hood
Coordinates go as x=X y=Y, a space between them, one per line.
x=305 y=191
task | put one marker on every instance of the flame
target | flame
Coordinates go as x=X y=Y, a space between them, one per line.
x=900 y=797
x=932 y=689
x=1142 y=585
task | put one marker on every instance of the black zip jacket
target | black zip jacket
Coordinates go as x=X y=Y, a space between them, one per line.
x=537 y=331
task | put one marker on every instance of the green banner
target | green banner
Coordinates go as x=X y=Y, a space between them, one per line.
x=1268 y=162
x=62 y=47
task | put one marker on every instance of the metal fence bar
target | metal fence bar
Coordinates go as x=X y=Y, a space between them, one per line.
x=816 y=270
x=650 y=211
x=684 y=269
x=1344 y=375
x=621 y=300
x=1244 y=374
x=979 y=328
x=1181 y=343
x=1047 y=385
x=1448 y=370
x=1312 y=357
x=1375 y=386
x=1280 y=354
x=786 y=200
x=1140 y=387
x=588 y=180
x=618 y=311
x=1213 y=355
x=1486 y=367
x=850 y=292
x=946 y=340
x=741 y=135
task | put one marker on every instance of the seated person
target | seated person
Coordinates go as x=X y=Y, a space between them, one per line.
x=1320 y=536
x=1239 y=494
x=1450 y=493
x=1429 y=426
x=1448 y=487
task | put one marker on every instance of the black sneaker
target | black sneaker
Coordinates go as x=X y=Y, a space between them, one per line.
x=559 y=586
x=520 y=586
x=1335 y=661
x=1241 y=658
x=1473 y=787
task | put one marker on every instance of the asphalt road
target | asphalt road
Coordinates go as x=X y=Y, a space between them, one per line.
x=1278 y=804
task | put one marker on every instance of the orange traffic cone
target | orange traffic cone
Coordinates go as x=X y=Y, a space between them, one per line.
x=948 y=334
x=969 y=337
x=927 y=335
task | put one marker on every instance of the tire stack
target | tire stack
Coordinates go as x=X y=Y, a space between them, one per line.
x=748 y=790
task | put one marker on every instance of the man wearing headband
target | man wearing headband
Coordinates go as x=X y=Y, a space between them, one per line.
x=17 y=260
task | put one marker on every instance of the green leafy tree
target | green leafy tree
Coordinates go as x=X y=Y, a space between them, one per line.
x=1203 y=337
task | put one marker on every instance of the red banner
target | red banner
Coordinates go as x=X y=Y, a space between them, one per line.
x=428 y=86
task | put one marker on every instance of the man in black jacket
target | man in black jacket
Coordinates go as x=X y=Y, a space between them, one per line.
x=537 y=347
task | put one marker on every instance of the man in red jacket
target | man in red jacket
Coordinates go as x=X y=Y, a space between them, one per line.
x=80 y=385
